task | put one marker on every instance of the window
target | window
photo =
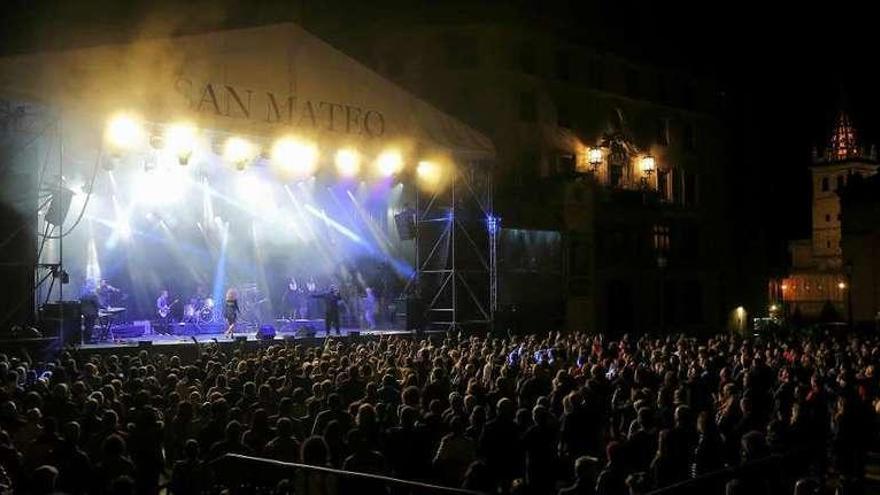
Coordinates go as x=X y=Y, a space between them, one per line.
x=828 y=244
x=563 y=116
x=676 y=186
x=690 y=188
x=693 y=297
x=661 y=238
x=827 y=218
x=840 y=182
x=529 y=169
x=459 y=51
x=687 y=96
x=688 y=137
x=632 y=83
x=663 y=131
x=615 y=174
x=662 y=92
x=663 y=184
x=565 y=164
x=838 y=217
x=824 y=184
x=597 y=74
x=527 y=58
x=563 y=65
x=528 y=111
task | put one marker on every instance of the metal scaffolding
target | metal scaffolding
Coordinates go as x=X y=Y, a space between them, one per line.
x=456 y=231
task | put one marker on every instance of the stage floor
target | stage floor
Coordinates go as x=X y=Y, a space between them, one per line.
x=207 y=338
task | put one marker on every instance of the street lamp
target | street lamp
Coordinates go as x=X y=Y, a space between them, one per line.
x=594 y=155
x=647 y=165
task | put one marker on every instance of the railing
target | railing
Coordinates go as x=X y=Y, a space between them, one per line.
x=241 y=474
x=772 y=474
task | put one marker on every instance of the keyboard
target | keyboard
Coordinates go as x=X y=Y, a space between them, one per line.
x=111 y=311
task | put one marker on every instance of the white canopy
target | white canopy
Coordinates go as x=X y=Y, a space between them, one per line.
x=262 y=81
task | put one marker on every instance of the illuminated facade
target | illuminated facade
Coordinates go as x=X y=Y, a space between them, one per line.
x=819 y=278
x=628 y=162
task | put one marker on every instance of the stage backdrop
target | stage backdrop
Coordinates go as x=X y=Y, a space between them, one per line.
x=144 y=222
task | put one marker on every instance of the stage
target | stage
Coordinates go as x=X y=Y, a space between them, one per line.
x=286 y=334
x=190 y=347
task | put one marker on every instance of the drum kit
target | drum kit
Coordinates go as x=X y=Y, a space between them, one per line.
x=200 y=311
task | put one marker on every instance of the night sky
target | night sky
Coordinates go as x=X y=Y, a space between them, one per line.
x=784 y=68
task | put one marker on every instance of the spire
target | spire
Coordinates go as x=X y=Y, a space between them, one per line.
x=844 y=145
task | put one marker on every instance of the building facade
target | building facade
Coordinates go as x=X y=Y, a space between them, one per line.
x=819 y=283
x=860 y=245
x=627 y=161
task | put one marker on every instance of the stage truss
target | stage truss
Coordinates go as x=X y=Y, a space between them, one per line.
x=456 y=230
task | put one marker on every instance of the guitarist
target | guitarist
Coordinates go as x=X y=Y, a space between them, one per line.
x=163 y=309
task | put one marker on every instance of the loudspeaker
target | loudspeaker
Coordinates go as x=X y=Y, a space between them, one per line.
x=240 y=339
x=405 y=221
x=62 y=319
x=58 y=206
x=145 y=343
x=266 y=332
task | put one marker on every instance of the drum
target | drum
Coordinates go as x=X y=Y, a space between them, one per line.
x=189 y=311
x=206 y=315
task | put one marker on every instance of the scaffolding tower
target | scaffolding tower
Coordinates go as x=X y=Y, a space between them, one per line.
x=456 y=236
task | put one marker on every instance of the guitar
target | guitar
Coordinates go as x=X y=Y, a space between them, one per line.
x=165 y=310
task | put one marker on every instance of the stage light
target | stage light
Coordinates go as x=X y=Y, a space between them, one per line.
x=428 y=172
x=180 y=139
x=389 y=163
x=238 y=151
x=295 y=157
x=123 y=132
x=348 y=162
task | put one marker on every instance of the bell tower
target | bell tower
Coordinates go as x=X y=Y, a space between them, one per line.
x=841 y=159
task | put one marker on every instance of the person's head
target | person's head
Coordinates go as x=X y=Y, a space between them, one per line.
x=506 y=409
x=44 y=479
x=113 y=446
x=284 y=427
x=584 y=469
x=754 y=446
x=71 y=432
x=314 y=451
x=233 y=431
x=614 y=452
x=356 y=441
x=191 y=449
x=164 y=293
x=231 y=295
x=807 y=486
x=408 y=417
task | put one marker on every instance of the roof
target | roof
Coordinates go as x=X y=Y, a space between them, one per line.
x=262 y=81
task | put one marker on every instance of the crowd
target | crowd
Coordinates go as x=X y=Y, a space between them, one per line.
x=560 y=413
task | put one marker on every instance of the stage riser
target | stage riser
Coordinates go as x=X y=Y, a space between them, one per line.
x=135 y=331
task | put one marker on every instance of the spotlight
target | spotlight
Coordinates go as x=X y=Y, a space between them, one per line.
x=348 y=162
x=428 y=172
x=295 y=157
x=238 y=151
x=123 y=132
x=389 y=163
x=180 y=139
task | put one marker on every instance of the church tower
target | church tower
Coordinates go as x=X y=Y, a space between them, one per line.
x=831 y=170
x=818 y=277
